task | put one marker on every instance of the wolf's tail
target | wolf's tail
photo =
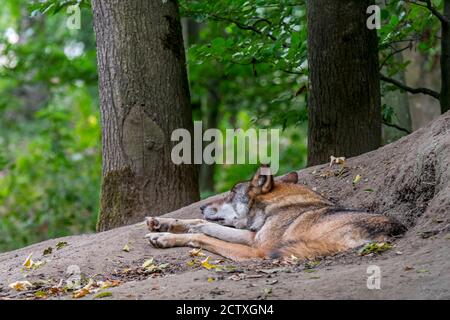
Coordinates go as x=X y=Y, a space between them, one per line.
x=381 y=226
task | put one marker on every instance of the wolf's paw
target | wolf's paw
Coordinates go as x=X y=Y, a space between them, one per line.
x=157 y=224
x=161 y=239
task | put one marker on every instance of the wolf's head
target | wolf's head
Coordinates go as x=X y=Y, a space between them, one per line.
x=240 y=207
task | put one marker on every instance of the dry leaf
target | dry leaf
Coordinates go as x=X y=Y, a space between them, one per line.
x=163 y=265
x=408 y=268
x=423 y=271
x=191 y=263
x=38 y=264
x=337 y=160
x=54 y=290
x=196 y=253
x=28 y=262
x=40 y=294
x=21 y=285
x=126 y=248
x=237 y=277
x=211 y=279
x=357 y=179
x=103 y=295
x=147 y=263
x=61 y=244
x=205 y=264
x=108 y=283
x=81 y=293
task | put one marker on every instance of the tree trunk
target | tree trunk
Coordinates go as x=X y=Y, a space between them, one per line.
x=445 y=61
x=344 y=94
x=144 y=96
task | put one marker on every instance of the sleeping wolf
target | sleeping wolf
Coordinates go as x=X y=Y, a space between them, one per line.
x=263 y=218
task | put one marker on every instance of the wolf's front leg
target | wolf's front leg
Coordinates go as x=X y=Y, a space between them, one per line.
x=215 y=230
x=159 y=224
x=234 y=251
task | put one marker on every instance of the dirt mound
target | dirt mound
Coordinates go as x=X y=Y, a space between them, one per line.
x=408 y=179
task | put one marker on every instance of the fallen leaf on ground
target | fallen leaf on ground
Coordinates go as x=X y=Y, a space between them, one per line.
x=357 y=179
x=28 y=262
x=103 y=294
x=205 y=264
x=336 y=160
x=196 y=253
x=21 y=285
x=61 y=244
x=422 y=270
x=312 y=264
x=48 y=251
x=237 y=277
x=163 y=265
x=108 y=283
x=268 y=290
x=375 y=247
x=40 y=294
x=38 y=264
x=147 y=263
x=81 y=293
x=191 y=263
x=210 y=279
x=126 y=248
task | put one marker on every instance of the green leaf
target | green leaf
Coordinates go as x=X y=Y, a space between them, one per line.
x=61 y=245
x=103 y=294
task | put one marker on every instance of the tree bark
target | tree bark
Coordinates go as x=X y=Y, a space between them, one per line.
x=344 y=94
x=144 y=96
x=445 y=61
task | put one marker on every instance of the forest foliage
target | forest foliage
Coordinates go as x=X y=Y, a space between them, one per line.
x=252 y=54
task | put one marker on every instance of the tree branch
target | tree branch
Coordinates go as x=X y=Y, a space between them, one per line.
x=432 y=9
x=242 y=26
x=409 y=46
x=392 y=125
x=402 y=86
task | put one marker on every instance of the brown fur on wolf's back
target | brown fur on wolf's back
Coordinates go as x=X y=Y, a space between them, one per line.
x=309 y=225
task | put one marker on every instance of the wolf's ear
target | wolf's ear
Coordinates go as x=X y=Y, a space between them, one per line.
x=290 y=178
x=262 y=181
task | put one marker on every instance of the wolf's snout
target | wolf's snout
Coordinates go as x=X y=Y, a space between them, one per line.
x=203 y=207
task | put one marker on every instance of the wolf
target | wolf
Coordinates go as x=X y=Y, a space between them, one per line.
x=268 y=219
